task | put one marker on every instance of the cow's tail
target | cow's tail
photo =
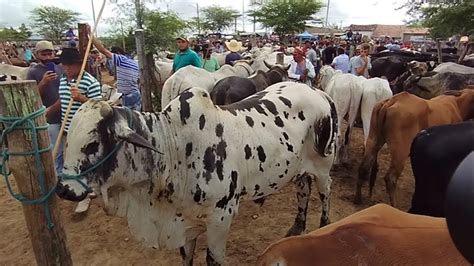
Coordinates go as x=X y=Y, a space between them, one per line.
x=368 y=167
x=325 y=131
x=376 y=136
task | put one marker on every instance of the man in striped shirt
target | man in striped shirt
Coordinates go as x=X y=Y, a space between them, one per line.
x=89 y=87
x=127 y=75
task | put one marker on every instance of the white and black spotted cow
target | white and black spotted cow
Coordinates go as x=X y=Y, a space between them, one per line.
x=210 y=158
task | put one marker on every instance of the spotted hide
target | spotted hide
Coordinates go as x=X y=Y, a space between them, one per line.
x=210 y=158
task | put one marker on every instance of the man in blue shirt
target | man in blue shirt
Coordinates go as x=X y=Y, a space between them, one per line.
x=234 y=48
x=185 y=55
x=127 y=75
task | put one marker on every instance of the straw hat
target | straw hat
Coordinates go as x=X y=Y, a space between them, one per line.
x=233 y=45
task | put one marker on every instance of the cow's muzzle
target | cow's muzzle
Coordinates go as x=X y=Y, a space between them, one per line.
x=64 y=192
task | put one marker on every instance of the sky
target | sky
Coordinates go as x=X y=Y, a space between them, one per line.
x=341 y=12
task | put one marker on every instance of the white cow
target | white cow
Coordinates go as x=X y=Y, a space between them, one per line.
x=453 y=67
x=201 y=160
x=220 y=57
x=10 y=70
x=191 y=76
x=350 y=92
x=164 y=68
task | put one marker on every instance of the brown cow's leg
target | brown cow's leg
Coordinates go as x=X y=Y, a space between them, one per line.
x=399 y=153
x=367 y=166
x=303 y=193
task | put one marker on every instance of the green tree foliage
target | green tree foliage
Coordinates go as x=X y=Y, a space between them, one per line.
x=449 y=19
x=217 y=19
x=52 y=21
x=286 y=16
x=161 y=30
x=22 y=34
x=444 y=17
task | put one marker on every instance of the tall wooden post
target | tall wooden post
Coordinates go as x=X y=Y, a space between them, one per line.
x=280 y=58
x=440 y=55
x=145 y=78
x=18 y=99
x=83 y=38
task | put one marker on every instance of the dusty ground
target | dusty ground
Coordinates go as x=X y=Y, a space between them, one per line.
x=97 y=239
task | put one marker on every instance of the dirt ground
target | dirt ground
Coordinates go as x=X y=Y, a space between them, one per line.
x=97 y=239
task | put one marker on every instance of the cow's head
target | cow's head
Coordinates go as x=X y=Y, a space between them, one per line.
x=95 y=136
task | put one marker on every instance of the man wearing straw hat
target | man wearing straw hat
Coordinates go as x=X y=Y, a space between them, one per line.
x=234 y=48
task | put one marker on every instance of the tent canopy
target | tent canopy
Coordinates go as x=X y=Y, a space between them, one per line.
x=305 y=35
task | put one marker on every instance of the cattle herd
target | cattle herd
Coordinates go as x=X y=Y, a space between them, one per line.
x=245 y=131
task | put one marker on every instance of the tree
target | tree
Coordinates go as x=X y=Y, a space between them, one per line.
x=22 y=34
x=52 y=21
x=161 y=30
x=216 y=19
x=444 y=17
x=286 y=16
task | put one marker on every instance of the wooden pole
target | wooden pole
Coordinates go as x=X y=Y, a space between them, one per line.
x=280 y=58
x=440 y=56
x=17 y=99
x=145 y=78
x=83 y=38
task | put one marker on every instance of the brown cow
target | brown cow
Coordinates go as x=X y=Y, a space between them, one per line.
x=397 y=120
x=379 y=235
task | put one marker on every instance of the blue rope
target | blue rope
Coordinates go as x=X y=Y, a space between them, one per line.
x=15 y=123
x=77 y=177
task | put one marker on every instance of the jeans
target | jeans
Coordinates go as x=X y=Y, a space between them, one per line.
x=132 y=100
x=53 y=132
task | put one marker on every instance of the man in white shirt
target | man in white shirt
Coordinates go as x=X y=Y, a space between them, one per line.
x=341 y=62
x=300 y=68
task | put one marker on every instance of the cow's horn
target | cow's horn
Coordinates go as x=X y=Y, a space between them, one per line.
x=267 y=64
x=106 y=110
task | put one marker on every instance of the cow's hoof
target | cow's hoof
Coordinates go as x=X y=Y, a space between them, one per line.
x=358 y=200
x=295 y=231
x=324 y=222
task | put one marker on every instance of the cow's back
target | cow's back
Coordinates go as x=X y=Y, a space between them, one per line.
x=379 y=235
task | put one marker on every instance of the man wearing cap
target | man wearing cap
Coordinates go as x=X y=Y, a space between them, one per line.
x=47 y=74
x=234 y=47
x=127 y=75
x=300 y=68
x=185 y=56
x=88 y=88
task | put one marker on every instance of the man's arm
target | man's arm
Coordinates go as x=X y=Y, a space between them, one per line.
x=53 y=109
x=101 y=48
x=310 y=68
x=360 y=66
x=291 y=72
x=196 y=61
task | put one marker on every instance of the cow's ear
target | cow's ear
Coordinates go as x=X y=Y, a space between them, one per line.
x=132 y=137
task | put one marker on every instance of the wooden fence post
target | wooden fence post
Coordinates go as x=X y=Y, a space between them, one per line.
x=145 y=79
x=440 y=55
x=17 y=99
x=83 y=38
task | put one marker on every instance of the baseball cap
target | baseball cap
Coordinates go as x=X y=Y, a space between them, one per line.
x=182 y=38
x=43 y=46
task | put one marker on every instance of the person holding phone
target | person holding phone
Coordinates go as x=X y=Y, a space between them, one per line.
x=47 y=75
x=361 y=64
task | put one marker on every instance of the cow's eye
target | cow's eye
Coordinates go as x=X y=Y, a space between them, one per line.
x=91 y=148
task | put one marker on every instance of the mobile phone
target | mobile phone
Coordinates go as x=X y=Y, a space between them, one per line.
x=50 y=67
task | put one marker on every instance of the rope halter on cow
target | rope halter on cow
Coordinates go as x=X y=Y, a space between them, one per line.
x=15 y=124
x=77 y=178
